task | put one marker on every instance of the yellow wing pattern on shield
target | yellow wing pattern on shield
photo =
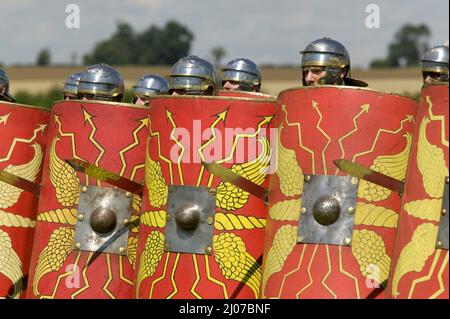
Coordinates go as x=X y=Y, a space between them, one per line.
x=10 y=264
x=154 y=179
x=431 y=163
x=230 y=197
x=64 y=179
x=391 y=165
x=415 y=254
x=235 y=262
x=9 y=195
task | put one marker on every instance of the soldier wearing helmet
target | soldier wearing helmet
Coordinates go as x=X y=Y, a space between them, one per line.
x=101 y=82
x=241 y=74
x=193 y=76
x=435 y=65
x=150 y=84
x=327 y=62
x=4 y=87
x=71 y=86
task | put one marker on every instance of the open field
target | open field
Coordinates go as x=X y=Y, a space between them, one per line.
x=41 y=79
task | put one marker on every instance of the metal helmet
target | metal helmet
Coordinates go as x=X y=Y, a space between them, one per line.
x=4 y=87
x=103 y=82
x=195 y=75
x=244 y=71
x=71 y=84
x=331 y=55
x=435 y=60
x=151 y=84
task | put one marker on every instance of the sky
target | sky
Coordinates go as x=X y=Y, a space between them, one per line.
x=266 y=31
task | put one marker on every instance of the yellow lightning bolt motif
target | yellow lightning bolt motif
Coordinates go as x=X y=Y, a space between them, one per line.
x=4 y=118
x=237 y=137
x=88 y=119
x=144 y=123
x=408 y=118
x=439 y=118
x=283 y=107
x=72 y=138
x=171 y=120
x=40 y=128
x=220 y=118
x=364 y=109
x=316 y=108
x=163 y=158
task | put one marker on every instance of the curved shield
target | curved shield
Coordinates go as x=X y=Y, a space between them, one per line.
x=330 y=235
x=22 y=145
x=245 y=94
x=83 y=246
x=420 y=264
x=201 y=237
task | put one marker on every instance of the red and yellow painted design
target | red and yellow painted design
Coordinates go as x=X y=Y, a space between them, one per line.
x=111 y=136
x=23 y=131
x=316 y=126
x=419 y=269
x=234 y=268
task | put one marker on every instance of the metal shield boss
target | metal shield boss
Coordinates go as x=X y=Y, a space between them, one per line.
x=86 y=230
x=23 y=130
x=330 y=235
x=201 y=237
x=420 y=263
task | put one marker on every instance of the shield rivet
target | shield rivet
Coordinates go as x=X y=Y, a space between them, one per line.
x=126 y=222
x=80 y=217
x=208 y=250
x=77 y=245
x=351 y=210
x=128 y=194
x=168 y=217
x=300 y=239
x=303 y=210
x=354 y=181
x=444 y=212
x=439 y=244
x=210 y=220
x=446 y=180
x=347 y=241
x=213 y=191
x=84 y=189
x=307 y=178
x=326 y=210
x=122 y=249
x=166 y=246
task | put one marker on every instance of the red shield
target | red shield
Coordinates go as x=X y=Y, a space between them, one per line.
x=22 y=146
x=111 y=136
x=419 y=269
x=221 y=130
x=245 y=94
x=316 y=126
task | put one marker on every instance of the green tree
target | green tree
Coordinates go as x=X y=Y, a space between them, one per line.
x=44 y=57
x=218 y=53
x=154 y=45
x=119 y=49
x=407 y=48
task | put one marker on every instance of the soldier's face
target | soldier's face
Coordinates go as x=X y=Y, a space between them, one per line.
x=431 y=77
x=140 y=100
x=179 y=92
x=312 y=75
x=231 y=85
